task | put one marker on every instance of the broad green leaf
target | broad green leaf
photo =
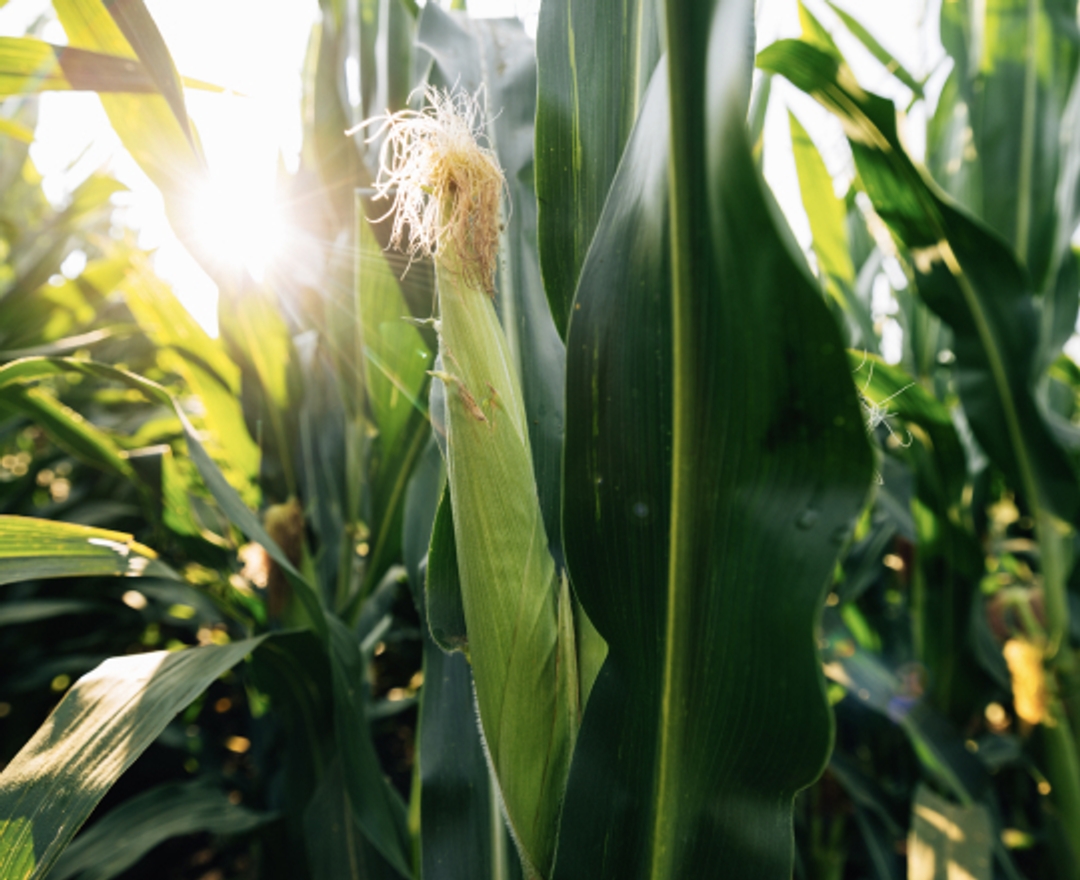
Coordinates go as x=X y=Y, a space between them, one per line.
x=714 y=464
x=227 y=438
x=259 y=330
x=203 y=376
x=33 y=610
x=166 y=150
x=37 y=548
x=138 y=28
x=131 y=830
x=951 y=158
x=38 y=316
x=256 y=338
x=827 y=214
x=595 y=60
x=396 y=357
x=396 y=360
x=464 y=835
x=337 y=849
x=814 y=32
x=443 y=608
x=824 y=209
x=877 y=50
x=164 y=319
x=177 y=486
x=102 y=725
x=69 y=429
x=376 y=807
x=29 y=65
x=30 y=294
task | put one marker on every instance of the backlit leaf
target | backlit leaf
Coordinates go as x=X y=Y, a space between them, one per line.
x=102 y=725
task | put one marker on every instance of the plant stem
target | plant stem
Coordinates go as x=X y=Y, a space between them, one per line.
x=1027 y=135
x=1063 y=771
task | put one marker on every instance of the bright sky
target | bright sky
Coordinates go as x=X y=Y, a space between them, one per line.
x=256 y=47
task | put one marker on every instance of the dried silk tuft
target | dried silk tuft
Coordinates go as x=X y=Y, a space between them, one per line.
x=444 y=185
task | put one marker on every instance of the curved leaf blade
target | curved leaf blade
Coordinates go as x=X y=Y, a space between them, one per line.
x=714 y=462
x=29 y=65
x=595 y=60
x=375 y=805
x=878 y=51
x=102 y=725
x=69 y=429
x=825 y=211
x=37 y=548
x=127 y=833
x=33 y=610
x=166 y=149
x=139 y=29
x=337 y=850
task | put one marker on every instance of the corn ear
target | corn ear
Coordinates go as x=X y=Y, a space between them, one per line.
x=518 y=617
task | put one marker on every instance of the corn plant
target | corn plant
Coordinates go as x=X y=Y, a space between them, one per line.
x=593 y=492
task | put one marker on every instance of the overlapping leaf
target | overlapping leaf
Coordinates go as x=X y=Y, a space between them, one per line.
x=152 y=127
x=102 y=725
x=714 y=462
x=131 y=830
x=37 y=548
x=29 y=65
x=595 y=60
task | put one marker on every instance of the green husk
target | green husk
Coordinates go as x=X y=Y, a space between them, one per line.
x=518 y=615
x=525 y=680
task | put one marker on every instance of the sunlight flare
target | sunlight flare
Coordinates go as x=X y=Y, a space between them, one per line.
x=239 y=221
